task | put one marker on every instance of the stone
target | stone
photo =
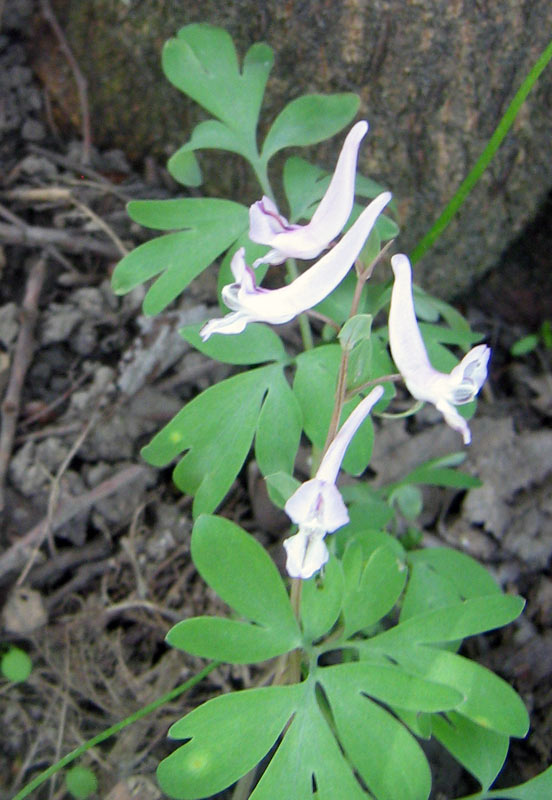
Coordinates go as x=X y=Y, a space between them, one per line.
x=434 y=79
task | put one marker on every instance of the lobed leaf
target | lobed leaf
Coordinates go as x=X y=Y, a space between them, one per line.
x=227 y=740
x=229 y=640
x=278 y=429
x=391 y=685
x=212 y=225
x=373 y=594
x=321 y=598
x=257 y=344
x=387 y=757
x=480 y=750
x=309 y=119
x=308 y=751
x=202 y=63
x=447 y=624
x=316 y=376
x=242 y=573
x=489 y=701
x=211 y=463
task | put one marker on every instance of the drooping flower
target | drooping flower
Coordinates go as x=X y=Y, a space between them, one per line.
x=252 y=303
x=268 y=226
x=422 y=380
x=317 y=506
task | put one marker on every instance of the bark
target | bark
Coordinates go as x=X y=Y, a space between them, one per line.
x=434 y=77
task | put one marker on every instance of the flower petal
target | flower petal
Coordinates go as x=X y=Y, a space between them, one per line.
x=305 y=555
x=276 y=306
x=268 y=226
x=317 y=505
x=422 y=380
x=331 y=463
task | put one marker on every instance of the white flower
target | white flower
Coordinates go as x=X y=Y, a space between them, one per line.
x=317 y=506
x=424 y=382
x=252 y=303
x=268 y=226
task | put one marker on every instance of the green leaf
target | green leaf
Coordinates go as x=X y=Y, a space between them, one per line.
x=524 y=345
x=356 y=330
x=468 y=576
x=371 y=595
x=215 y=135
x=321 y=598
x=228 y=640
x=489 y=701
x=229 y=735
x=202 y=63
x=427 y=590
x=220 y=551
x=391 y=685
x=257 y=344
x=447 y=624
x=278 y=429
x=316 y=376
x=387 y=757
x=280 y=487
x=211 y=227
x=212 y=462
x=479 y=750
x=184 y=168
x=309 y=119
x=537 y=788
x=304 y=185
x=367 y=510
x=409 y=500
x=308 y=749
x=15 y=665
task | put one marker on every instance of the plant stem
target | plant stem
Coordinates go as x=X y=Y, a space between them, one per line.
x=101 y=737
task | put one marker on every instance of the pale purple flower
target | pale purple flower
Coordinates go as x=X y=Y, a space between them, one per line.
x=268 y=226
x=317 y=506
x=252 y=303
x=444 y=390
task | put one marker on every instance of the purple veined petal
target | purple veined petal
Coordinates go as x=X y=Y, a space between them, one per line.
x=287 y=240
x=317 y=506
x=277 y=306
x=331 y=463
x=422 y=380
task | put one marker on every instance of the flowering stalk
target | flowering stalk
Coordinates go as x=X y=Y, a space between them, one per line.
x=422 y=380
x=252 y=303
x=288 y=240
x=317 y=506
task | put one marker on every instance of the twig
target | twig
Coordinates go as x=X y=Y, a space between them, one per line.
x=21 y=360
x=80 y=169
x=34 y=236
x=80 y=80
x=16 y=555
x=102 y=224
x=54 y=492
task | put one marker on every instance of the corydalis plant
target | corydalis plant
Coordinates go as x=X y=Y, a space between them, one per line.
x=363 y=654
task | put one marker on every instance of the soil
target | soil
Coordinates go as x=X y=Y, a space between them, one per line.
x=94 y=545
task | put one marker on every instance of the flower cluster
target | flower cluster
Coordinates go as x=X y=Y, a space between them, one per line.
x=252 y=303
x=317 y=506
